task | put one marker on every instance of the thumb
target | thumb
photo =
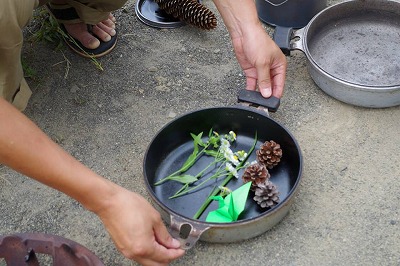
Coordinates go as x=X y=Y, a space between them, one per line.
x=164 y=238
x=264 y=82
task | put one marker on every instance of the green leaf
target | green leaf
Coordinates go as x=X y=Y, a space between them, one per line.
x=192 y=158
x=197 y=139
x=48 y=38
x=185 y=179
x=214 y=141
x=189 y=162
x=210 y=133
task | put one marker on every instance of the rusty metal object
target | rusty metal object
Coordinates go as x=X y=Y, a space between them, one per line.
x=21 y=249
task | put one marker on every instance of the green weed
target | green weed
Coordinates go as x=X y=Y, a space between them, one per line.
x=28 y=71
x=50 y=31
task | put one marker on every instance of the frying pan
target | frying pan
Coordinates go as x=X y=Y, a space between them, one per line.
x=172 y=145
x=352 y=50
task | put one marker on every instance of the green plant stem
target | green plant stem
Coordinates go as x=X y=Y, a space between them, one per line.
x=181 y=193
x=223 y=184
x=209 y=199
x=92 y=58
x=182 y=188
x=159 y=182
x=218 y=174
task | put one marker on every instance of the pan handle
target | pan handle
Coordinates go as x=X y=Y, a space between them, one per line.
x=254 y=97
x=297 y=39
x=289 y=39
x=187 y=232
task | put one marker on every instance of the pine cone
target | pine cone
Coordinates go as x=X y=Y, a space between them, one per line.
x=255 y=173
x=269 y=154
x=189 y=11
x=266 y=194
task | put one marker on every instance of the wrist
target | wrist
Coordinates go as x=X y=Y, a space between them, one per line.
x=100 y=196
x=238 y=15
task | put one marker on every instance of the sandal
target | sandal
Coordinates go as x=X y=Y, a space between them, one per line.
x=67 y=13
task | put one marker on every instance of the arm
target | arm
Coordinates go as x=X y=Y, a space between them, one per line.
x=260 y=58
x=25 y=148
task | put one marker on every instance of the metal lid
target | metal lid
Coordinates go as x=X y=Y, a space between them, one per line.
x=150 y=14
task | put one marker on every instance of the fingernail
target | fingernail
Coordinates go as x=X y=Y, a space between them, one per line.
x=266 y=92
x=113 y=32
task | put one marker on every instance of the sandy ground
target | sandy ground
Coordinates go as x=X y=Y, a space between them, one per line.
x=347 y=208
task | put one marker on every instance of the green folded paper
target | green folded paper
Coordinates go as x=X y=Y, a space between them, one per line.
x=231 y=206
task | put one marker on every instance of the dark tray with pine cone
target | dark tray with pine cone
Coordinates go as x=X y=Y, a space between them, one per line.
x=273 y=144
x=175 y=13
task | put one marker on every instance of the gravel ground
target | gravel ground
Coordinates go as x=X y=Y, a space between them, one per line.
x=347 y=208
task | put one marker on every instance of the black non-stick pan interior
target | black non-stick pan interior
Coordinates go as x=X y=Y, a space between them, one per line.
x=173 y=144
x=358 y=42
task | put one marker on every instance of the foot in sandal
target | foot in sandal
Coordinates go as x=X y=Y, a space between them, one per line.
x=86 y=40
x=103 y=31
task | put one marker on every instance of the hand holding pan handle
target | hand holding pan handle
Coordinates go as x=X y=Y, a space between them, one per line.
x=187 y=232
x=254 y=97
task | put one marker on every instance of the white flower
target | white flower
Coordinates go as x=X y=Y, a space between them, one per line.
x=231 y=170
x=224 y=144
x=232 y=135
x=224 y=190
x=241 y=155
x=231 y=157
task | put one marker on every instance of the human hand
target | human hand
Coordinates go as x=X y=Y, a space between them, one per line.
x=138 y=231
x=134 y=225
x=262 y=61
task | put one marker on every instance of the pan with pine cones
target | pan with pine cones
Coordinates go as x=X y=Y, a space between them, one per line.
x=172 y=145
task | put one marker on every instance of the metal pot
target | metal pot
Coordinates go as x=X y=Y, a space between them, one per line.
x=173 y=144
x=288 y=13
x=352 y=50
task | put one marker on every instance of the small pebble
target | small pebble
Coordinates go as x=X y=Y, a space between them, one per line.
x=74 y=88
x=152 y=69
x=171 y=114
x=162 y=88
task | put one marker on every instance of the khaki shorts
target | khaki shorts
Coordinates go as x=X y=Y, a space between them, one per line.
x=14 y=15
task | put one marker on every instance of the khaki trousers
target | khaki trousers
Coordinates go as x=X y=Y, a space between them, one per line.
x=14 y=15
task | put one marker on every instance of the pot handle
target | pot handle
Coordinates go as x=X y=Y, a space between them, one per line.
x=289 y=39
x=255 y=98
x=187 y=232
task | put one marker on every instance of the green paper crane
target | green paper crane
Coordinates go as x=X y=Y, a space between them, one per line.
x=231 y=206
